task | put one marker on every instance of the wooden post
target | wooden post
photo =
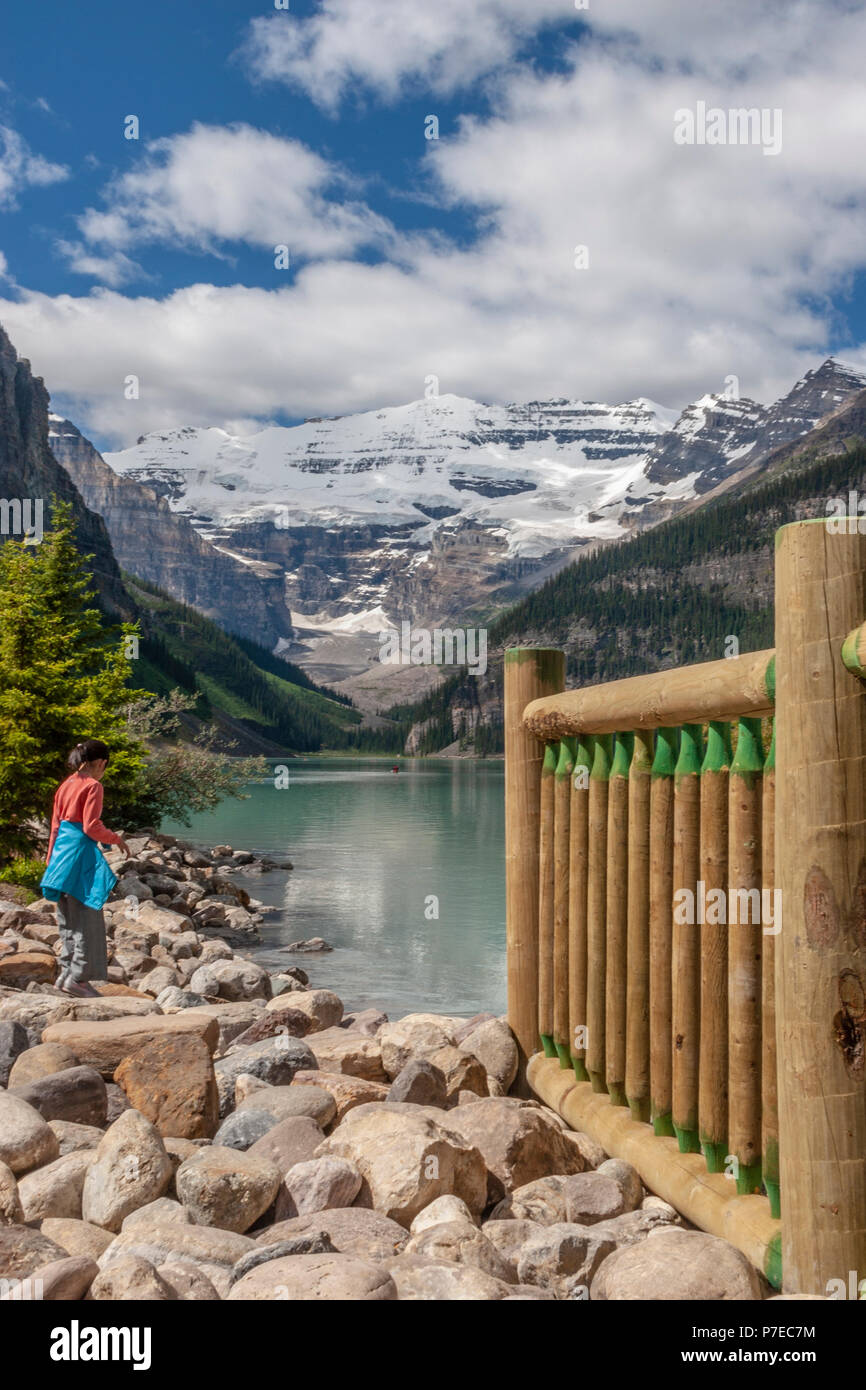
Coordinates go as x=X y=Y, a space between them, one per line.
x=545 y=900
x=713 y=1100
x=769 y=1084
x=660 y=926
x=616 y=963
x=596 y=911
x=530 y=674
x=561 y=836
x=821 y=872
x=686 y=945
x=744 y=955
x=578 y=861
x=637 y=1056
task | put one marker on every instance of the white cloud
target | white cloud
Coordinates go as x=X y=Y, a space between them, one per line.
x=388 y=44
x=217 y=184
x=114 y=269
x=20 y=168
x=704 y=261
x=4 y=267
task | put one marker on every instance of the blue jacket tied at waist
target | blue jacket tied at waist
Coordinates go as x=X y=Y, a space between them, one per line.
x=77 y=867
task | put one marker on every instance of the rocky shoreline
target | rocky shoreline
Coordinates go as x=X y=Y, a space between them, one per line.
x=204 y=1130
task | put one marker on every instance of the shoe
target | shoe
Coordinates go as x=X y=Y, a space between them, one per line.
x=80 y=991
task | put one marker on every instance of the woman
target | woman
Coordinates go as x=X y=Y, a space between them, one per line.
x=77 y=877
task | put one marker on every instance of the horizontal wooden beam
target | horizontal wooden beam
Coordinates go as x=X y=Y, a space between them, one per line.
x=727 y=689
x=708 y=1200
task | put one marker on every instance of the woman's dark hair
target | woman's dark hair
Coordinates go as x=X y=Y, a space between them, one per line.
x=92 y=750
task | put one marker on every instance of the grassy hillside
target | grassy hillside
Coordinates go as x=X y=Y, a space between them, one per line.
x=271 y=699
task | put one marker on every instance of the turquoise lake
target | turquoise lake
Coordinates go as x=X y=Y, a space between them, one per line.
x=371 y=851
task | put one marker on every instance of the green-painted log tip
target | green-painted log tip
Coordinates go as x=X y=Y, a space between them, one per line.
x=770 y=679
x=718 y=752
x=565 y=761
x=518 y=655
x=548 y=1045
x=773 y=1261
x=774 y=1197
x=598 y=1083
x=564 y=1056
x=687 y=1140
x=748 y=1179
x=616 y=1091
x=665 y=760
x=580 y=1071
x=548 y=767
x=602 y=748
x=622 y=755
x=714 y=1156
x=690 y=755
x=850 y=658
x=663 y=1126
x=749 y=756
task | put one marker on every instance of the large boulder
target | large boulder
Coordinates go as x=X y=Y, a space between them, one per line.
x=130 y=1169
x=26 y=1141
x=585 y=1198
x=236 y=979
x=323 y=1008
x=131 y=1280
x=76 y=1094
x=22 y=968
x=419 y=1279
x=283 y=1101
x=319 y=1184
x=353 y=1054
x=303 y=1278
x=23 y=1251
x=55 y=1190
x=232 y=1019
x=416 y=1034
x=170 y=1079
x=492 y=1042
x=226 y=1188
x=419 y=1083
x=213 y=1252
x=519 y=1143
x=77 y=1237
x=462 y=1242
x=441 y=1211
x=407 y=1158
x=271 y=1023
x=677 y=1265
x=37 y=1062
x=355 y=1231
x=347 y=1091
x=274 y=1060
x=104 y=1045
x=62 y=1281
x=563 y=1257
x=290 y=1141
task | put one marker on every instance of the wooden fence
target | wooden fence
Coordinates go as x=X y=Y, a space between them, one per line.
x=686 y=903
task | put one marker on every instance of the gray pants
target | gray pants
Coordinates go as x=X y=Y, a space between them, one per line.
x=82 y=941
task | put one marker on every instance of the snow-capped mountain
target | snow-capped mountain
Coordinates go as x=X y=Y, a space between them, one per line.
x=431 y=510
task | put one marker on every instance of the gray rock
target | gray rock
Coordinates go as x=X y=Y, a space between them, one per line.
x=13 y=1041
x=319 y=1184
x=187 y=1282
x=226 y=1188
x=628 y=1179
x=243 y=1128
x=274 y=1060
x=130 y=1169
x=584 y=1198
x=76 y=1094
x=131 y=1279
x=312 y=1277
x=352 y=1230
x=316 y=1244
x=285 y=1101
x=419 y=1083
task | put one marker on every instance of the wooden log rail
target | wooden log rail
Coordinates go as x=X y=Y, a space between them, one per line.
x=680 y=1020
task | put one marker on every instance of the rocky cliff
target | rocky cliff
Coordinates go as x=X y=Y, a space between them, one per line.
x=149 y=540
x=29 y=469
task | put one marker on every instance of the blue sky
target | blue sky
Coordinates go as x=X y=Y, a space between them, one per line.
x=155 y=257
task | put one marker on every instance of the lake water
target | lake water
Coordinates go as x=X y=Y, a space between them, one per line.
x=371 y=849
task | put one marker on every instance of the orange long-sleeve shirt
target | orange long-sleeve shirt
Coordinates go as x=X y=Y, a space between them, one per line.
x=79 y=799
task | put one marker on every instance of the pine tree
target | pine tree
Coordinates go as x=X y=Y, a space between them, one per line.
x=64 y=676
